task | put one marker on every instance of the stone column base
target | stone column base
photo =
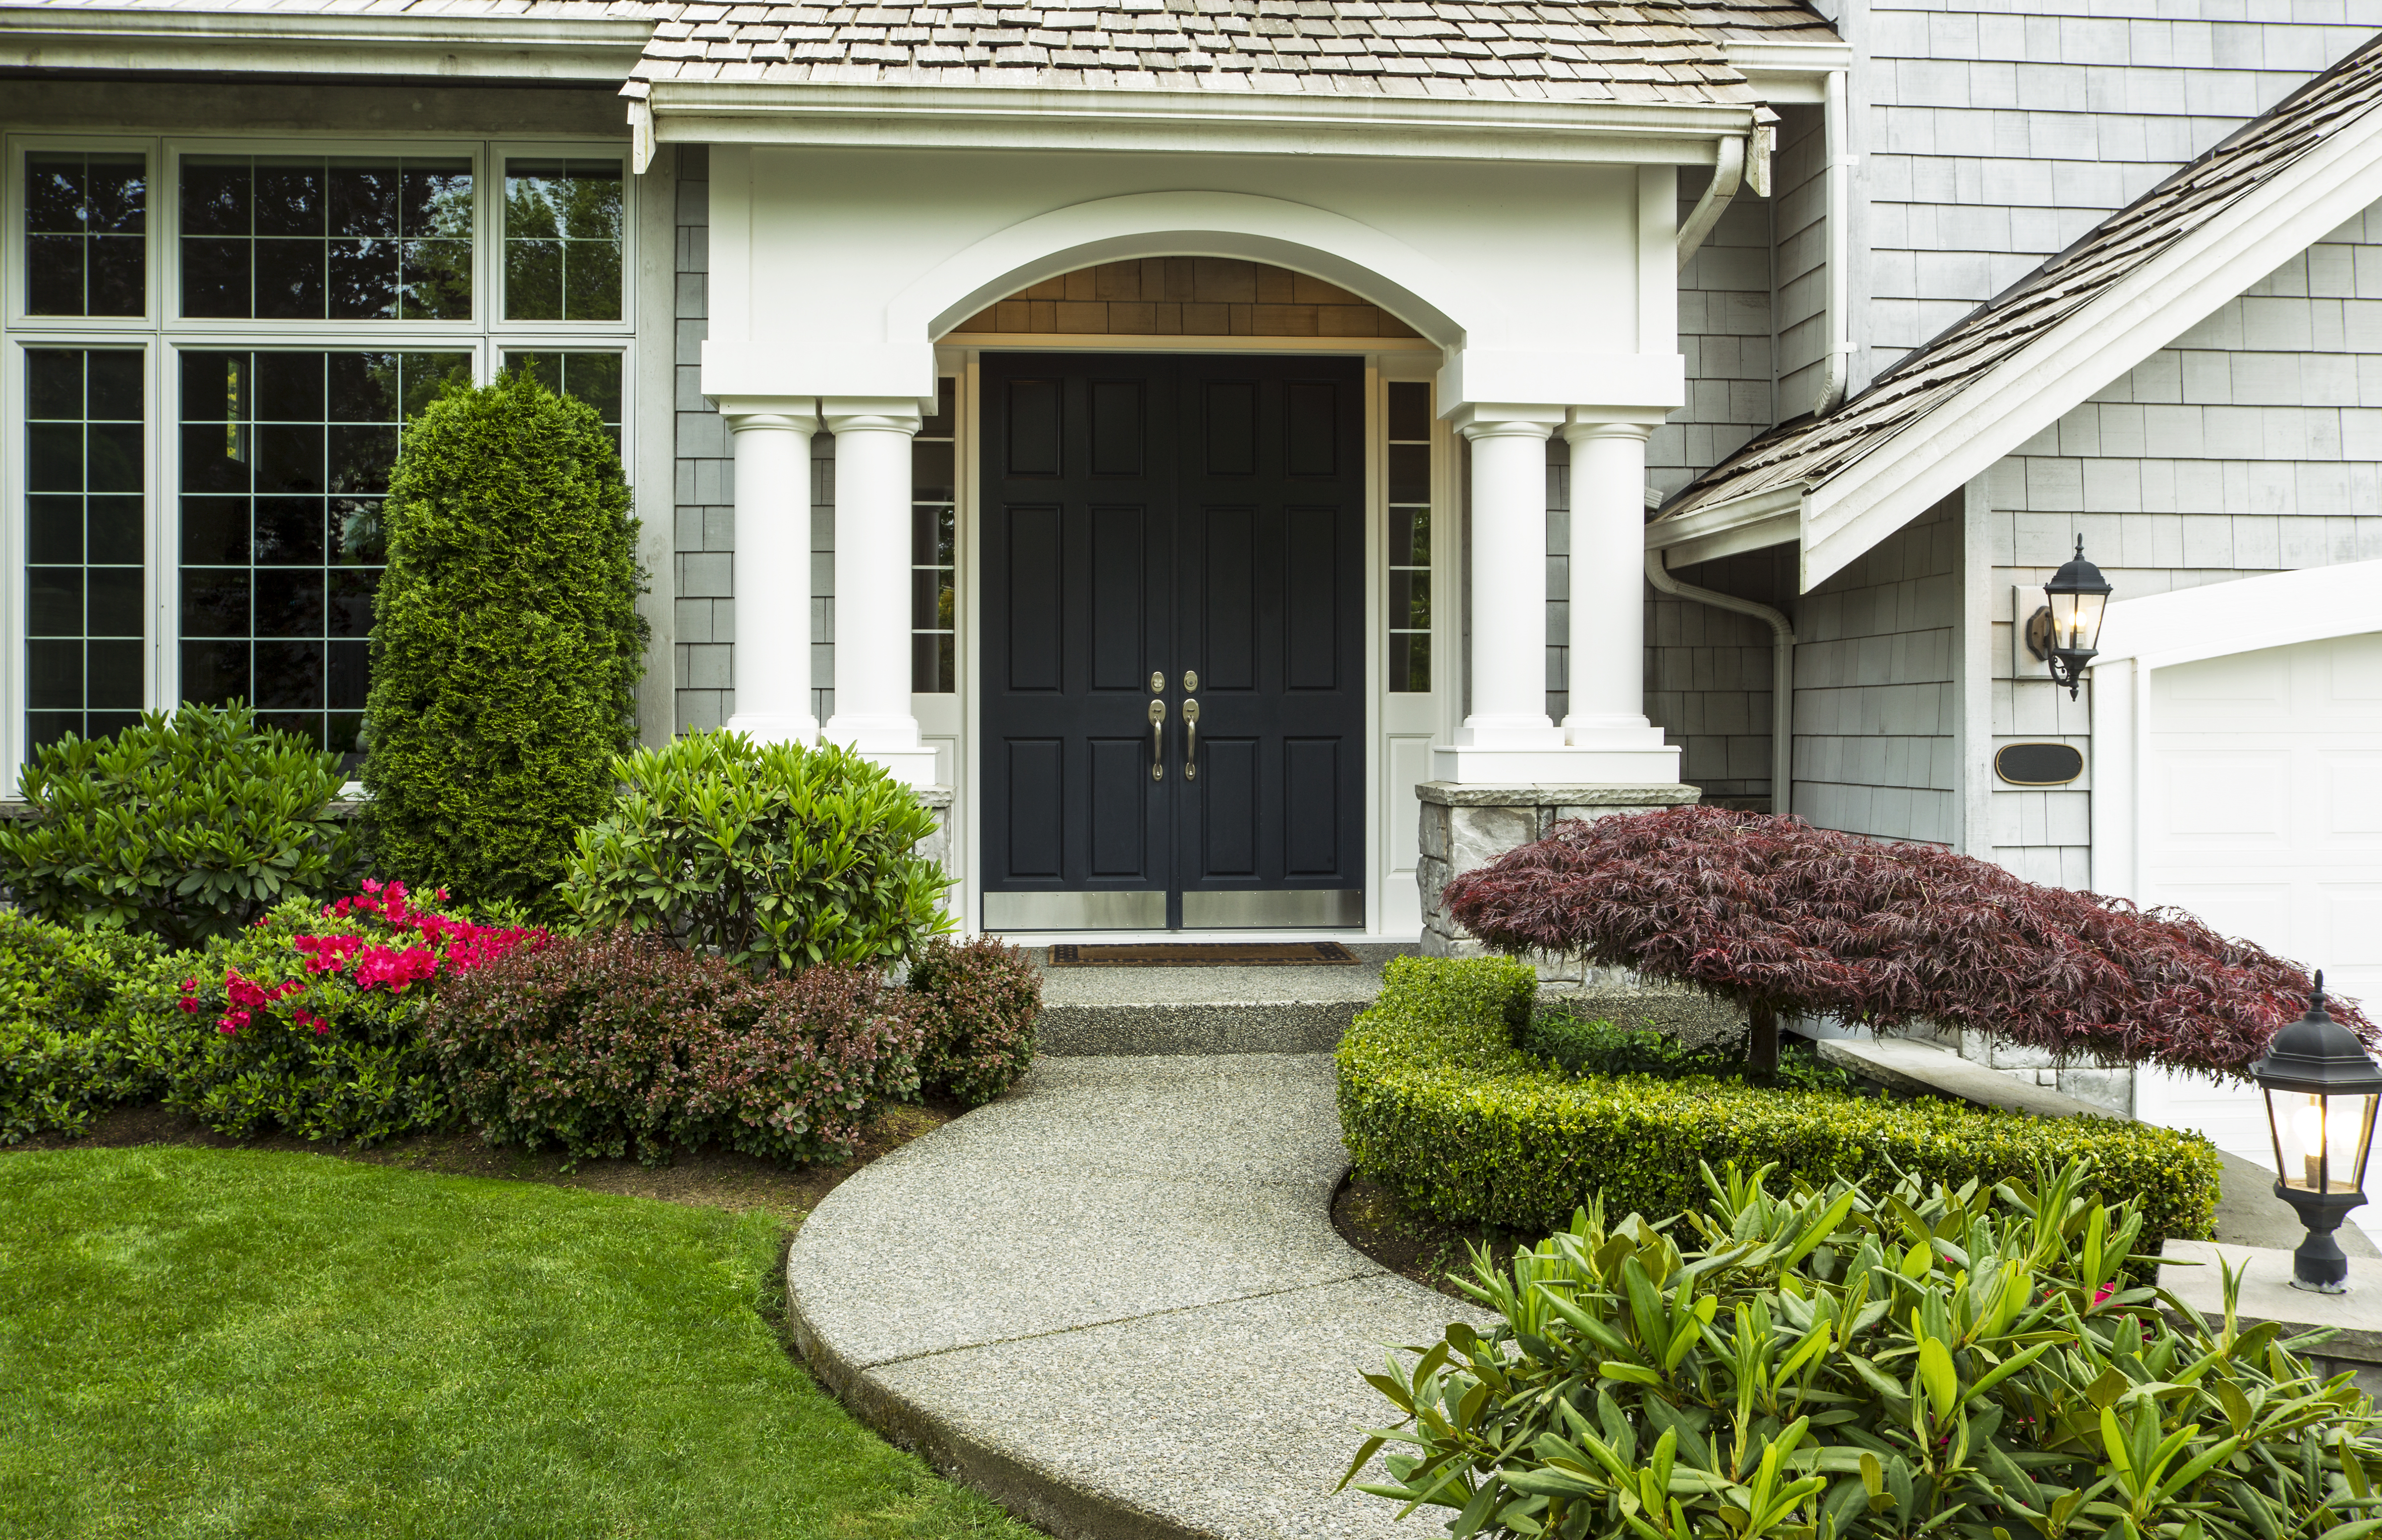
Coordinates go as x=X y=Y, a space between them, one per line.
x=1467 y=827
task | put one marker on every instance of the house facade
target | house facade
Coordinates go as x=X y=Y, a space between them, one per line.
x=1248 y=459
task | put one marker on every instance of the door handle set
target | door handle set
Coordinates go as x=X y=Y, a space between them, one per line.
x=1190 y=727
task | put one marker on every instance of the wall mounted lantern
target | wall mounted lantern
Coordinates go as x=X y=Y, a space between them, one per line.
x=2066 y=632
x=2321 y=1090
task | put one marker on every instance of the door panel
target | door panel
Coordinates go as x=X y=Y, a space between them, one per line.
x=1110 y=557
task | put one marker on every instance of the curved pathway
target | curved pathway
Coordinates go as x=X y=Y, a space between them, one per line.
x=1113 y=1301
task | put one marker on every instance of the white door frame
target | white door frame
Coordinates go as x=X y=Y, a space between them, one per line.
x=1385 y=360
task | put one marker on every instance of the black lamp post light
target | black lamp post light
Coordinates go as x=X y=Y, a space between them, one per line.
x=2321 y=1091
x=2066 y=632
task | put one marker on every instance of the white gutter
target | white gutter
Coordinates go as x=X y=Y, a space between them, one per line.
x=1782 y=671
x=1837 y=366
x=597 y=50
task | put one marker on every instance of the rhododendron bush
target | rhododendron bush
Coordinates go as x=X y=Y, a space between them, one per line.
x=316 y=1017
x=1778 y=916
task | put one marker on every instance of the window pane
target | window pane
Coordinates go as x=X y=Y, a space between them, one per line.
x=562 y=239
x=85 y=613
x=593 y=378
x=303 y=237
x=934 y=587
x=86 y=247
x=1409 y=422
x=279 y=553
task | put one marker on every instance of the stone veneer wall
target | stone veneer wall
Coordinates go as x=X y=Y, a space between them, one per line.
x=1469 y=826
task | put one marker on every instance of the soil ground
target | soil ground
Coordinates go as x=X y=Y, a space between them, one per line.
x=1369 y=1217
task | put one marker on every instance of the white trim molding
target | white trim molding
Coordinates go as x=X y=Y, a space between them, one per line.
x=2160 y=631
x=1047 y=117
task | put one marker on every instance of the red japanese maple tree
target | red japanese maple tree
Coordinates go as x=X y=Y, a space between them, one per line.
x=1778 y=916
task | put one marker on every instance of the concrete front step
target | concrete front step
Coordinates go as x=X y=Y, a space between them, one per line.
x=1139 y=1012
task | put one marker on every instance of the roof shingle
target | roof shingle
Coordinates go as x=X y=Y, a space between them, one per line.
x=1544 y=50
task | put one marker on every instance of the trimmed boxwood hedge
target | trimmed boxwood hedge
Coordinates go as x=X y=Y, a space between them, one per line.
x=1437 y=1105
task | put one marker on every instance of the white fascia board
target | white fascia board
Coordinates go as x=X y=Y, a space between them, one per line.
x=2079 y=357
x=1788 y=72
x=272 y=43
x=994 y=118
x=1772 y=517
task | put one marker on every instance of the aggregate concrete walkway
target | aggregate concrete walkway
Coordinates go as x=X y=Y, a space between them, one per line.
x=1114 y=1301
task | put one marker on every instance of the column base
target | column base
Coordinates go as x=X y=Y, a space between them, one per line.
x=1466 y=826
x=776 y=728
x=1623 y=765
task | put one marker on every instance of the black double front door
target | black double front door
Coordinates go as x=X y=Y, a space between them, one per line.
x=1174 y=627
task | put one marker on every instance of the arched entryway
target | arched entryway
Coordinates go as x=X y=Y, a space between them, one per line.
x=1176 y=574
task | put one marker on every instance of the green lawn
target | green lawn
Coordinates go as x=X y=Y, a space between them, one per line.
x=208 y=1342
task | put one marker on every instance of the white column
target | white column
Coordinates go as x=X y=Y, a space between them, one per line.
x=1608 y=566
x=1607 y=714
x=773 y=572
x=1509 y=567
x=872 y=584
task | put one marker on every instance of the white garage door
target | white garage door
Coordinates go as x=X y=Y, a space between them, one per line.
x=2262 y=813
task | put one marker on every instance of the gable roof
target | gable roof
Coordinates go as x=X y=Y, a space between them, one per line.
x=1618 y=50
x=2244 y=180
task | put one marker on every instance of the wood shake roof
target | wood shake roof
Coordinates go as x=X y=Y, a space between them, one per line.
x=1629 y=50
x=1807 y=451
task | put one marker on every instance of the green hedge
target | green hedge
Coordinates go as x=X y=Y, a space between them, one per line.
x=506 y=642
x=1437 y=1105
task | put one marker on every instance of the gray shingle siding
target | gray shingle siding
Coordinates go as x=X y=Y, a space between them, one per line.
x=2252 y=444
x=1996 y=138
x=1877 y=705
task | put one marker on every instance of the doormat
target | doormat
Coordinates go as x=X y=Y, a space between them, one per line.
x=1201 y=954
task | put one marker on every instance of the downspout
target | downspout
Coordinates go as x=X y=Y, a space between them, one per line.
x=1838 y=365
x=1738 y=163
x=1782 y=671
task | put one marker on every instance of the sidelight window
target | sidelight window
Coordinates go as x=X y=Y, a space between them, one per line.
x=85 y=510
x=313 y=237
x=1410 y=536
x=285 y=461
x=934 y=629
x=86 y=234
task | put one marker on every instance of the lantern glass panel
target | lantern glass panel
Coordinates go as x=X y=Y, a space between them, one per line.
x=2076 y=621
x=2322 y=1141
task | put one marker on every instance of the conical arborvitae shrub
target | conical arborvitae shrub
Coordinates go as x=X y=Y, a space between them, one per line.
x=506 y=642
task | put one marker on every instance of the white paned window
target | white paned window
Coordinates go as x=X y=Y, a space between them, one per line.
x=211 y=348
x=1410 y=537
x=934 y=587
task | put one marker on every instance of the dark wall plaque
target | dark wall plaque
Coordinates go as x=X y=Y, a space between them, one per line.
x=2039 y=764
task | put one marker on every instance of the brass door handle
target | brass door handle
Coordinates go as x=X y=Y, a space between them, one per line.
x=1190 y=741
x=1157 y=740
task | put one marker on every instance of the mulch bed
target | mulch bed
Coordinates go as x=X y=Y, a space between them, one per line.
x=1427 y=1250
x=708 y=1178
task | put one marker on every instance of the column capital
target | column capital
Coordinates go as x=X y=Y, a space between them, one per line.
x=894 y=414
x=797 y=413
x=1506 y=422
x=1587 y=430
